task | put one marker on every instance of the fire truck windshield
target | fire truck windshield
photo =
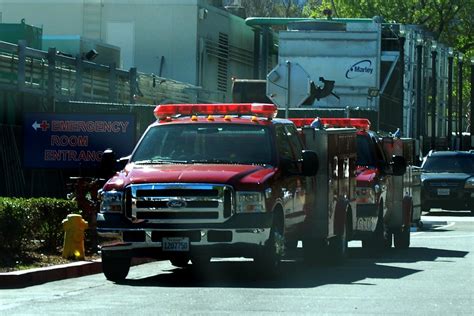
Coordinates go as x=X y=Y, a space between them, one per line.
x=205 y=143
x=365 y=153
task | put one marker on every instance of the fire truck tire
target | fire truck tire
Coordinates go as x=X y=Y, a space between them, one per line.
x=180 y=262
x=388 y=239
x=115 y=268
x=338 y=245
x=269 y=260
x=401 y=238
x=378 y=240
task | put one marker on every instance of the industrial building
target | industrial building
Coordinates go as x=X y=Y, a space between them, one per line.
x=193 y=41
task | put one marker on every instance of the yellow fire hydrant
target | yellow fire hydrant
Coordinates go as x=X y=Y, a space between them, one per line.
x=74 y=227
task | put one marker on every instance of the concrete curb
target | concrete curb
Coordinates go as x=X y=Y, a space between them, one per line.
x=25 y=278
x=19 y=279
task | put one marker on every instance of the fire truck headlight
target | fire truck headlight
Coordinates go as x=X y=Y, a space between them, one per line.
x=365 y=195
x=250 y=202
x=111 y=201
x=469 y=183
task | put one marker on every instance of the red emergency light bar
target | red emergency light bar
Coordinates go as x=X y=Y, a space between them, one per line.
x=258 y=109
x=359 y=123
x=302 y=122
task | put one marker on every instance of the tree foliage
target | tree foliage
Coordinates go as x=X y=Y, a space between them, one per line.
x=451 y=21
x=272 y=8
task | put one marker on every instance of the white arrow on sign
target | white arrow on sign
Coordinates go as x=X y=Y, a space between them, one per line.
x=35 y=125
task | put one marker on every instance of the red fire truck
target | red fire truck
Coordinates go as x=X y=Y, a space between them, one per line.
x=230 y=180
x=387 y=195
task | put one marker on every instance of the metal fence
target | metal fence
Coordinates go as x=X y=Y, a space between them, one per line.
x=56 y=77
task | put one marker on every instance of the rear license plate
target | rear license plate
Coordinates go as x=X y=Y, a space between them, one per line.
x=443 y=191
x=175 y=244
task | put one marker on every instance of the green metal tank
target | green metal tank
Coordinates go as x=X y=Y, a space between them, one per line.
x=14 y=32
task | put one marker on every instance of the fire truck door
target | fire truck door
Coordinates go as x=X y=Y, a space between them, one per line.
x=385 y=181
x=289 y=148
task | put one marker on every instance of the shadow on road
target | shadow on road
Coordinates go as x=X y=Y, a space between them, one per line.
x=296 y=274
x=448 y=213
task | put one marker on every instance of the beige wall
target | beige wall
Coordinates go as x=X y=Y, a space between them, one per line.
x=48 y=14
x=154 y=28
x=167 y=30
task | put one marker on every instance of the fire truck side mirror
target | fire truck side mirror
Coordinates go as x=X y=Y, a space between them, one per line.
x=107 y=164
x=122 y=162
x=399 y=165
x=310 y=164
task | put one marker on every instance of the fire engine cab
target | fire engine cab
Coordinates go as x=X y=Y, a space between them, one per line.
x=209 y=180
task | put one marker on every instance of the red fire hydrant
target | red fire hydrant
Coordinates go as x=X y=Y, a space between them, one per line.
x=74 y=227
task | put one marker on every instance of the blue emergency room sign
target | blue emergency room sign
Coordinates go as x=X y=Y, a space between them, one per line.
x=75 y=140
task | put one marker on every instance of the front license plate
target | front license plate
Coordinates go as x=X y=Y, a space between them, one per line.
x=175 y=244
x=443 y=191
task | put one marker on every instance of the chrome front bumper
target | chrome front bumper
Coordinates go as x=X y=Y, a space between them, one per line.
x=240 y=236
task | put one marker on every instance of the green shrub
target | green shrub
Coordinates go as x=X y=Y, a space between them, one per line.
x=25 y=220
x=16 y=225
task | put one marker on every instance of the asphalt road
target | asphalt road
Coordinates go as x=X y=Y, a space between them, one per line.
x=434 y=277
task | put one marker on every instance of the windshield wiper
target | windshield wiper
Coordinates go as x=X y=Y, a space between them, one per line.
x=158 y=161
x=143 y=162
x=223 y=161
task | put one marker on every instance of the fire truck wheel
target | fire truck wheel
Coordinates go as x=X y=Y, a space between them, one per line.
x=338 y=245
x=181 y=262
x=401 y=238
x=115 y=268
x=378 y=240
x=388 y=239
x=269 y=260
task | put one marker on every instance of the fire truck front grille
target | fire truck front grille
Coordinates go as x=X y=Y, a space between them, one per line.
x=176 y=215
x=189 y=204
x=179 y=203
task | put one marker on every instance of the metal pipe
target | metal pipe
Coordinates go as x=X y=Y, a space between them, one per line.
x=460 y=56
x=288 y=90
x=433 y=98
x=265 y=53
x=472 y=104
x=419 y=59
x=256 y=53
x=408 y=131
x=450 y=98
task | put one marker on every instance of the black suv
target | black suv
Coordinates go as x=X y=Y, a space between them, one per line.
x=448 y=180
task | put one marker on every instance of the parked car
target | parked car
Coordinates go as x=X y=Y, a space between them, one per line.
x=448 y=180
